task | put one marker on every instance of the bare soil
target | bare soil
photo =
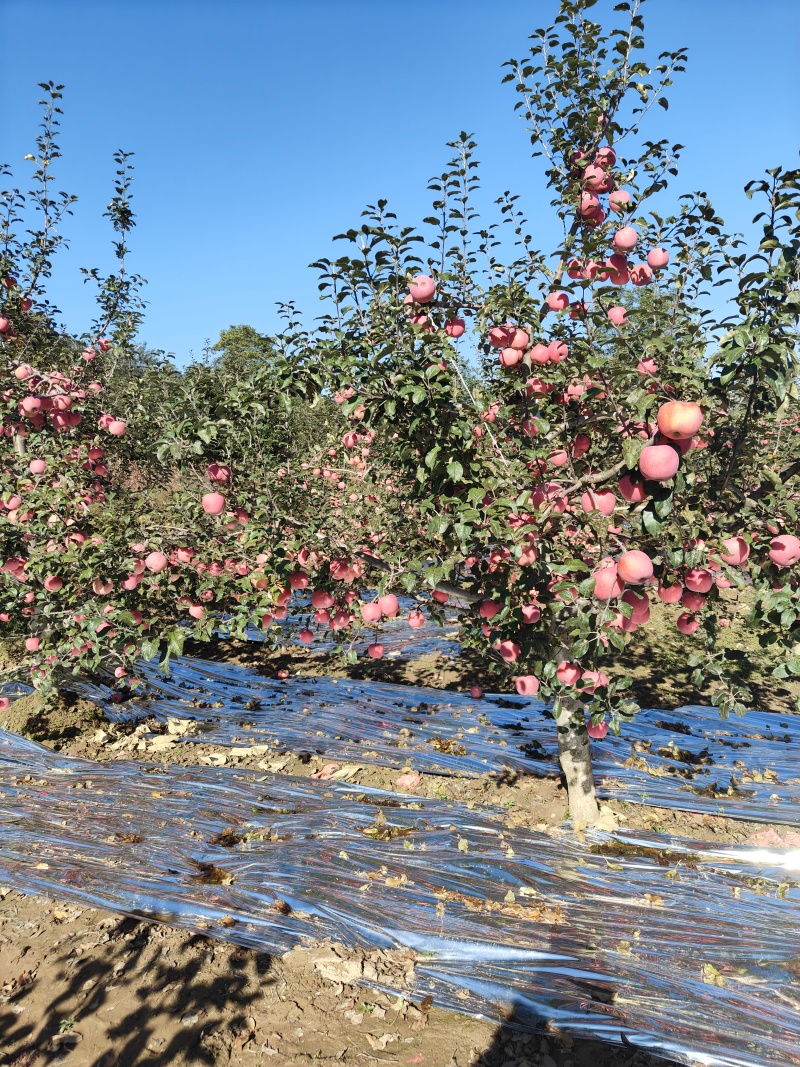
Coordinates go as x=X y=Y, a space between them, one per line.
x=89 y=988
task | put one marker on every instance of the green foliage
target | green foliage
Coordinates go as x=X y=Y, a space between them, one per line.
x=385 y=448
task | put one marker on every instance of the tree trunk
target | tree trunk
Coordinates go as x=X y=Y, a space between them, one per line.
x=576 y=761
x=19 y=444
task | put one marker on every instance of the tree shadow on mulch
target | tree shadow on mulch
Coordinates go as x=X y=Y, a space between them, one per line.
x=657 y=663
x=514 y=1047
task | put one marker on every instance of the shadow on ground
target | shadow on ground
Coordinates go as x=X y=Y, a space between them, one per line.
x=92 y=989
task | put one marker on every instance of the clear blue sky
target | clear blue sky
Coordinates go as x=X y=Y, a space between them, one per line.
x=262 y=128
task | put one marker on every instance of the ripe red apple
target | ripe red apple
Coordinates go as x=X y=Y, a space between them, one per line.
x=602 y=500
x=508 y=650
x=659 y=463
x=298 y=580
x=581 y=445
x=784 y=551
x=698 y=580
x=509 y=357
x=686 y=623
x=321 y=598
x=615 y=269
x=421 y=288
x=658 y=258
x=500 y=336
x=692 y=601
x=607 y=583
x=736 y=552
x=375 y=651
x=37 y=466
x=558 y=301
x=641 y=274
x=476 y=692
x=625 y=239
x=605 y=157
x=454 y=327
x=639 y=603
x=632 y=491
x=618 y=315
x=527 y=685
x=156 y=562
x=597 y=731
x=568 y=673
x=670 y=594
x=117 y=427
x=558 y=351
x=596 y=680
x=213 y=503
x=531 y=613
x=634 y=567
x=389 y=605
x=371 y=612
x=679 y=420
x=416 y=619
x=618 y=200
x=306 y=636
x=488 y=609
x=218 y=472
x=32 y=644
x=596 y=178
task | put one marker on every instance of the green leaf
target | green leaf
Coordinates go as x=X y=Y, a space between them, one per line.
x=150 y=648
x=430 y=459
x=455 y=470
x=175 y=639
x=651 y=523
x=631 y=450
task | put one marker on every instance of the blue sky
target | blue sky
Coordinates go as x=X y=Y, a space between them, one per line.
x=260 y=129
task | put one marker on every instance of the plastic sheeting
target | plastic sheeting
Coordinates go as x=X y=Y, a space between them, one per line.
x=687 y=950
x=689 y=759
x=399 y=640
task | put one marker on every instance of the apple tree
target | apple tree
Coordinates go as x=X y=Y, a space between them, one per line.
x=585 y=431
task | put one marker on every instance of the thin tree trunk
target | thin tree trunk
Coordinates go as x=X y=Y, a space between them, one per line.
x=19 y=444
x=576 y=761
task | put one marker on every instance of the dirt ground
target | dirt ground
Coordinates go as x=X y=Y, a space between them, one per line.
x=88 y=988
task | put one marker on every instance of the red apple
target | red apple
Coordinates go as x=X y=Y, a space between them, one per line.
x=527 y=685
x=213 y=503
x=634 y=567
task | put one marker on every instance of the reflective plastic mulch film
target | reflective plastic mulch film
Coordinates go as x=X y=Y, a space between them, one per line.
x=690 y=758
x=397 y=637
x=687 y=950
